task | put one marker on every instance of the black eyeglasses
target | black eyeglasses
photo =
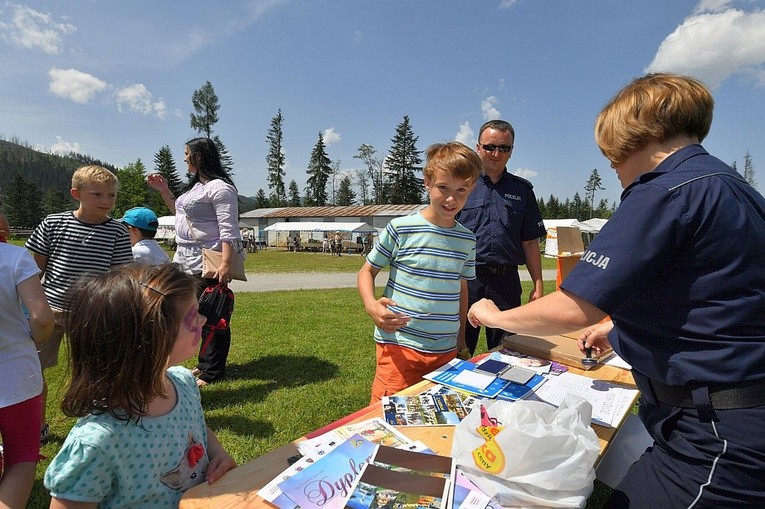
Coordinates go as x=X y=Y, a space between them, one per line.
x=501 y=148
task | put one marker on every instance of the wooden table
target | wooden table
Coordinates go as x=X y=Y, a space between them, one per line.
x=238 y=487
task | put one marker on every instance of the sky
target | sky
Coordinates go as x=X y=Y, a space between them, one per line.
x=114 y=80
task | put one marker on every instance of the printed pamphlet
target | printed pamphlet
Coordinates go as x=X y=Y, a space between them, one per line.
x=443 y=406
x=328 y=482
x=397 y=478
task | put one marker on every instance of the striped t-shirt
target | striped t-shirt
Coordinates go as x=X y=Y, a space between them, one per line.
x=74 y=247
x=427 y=263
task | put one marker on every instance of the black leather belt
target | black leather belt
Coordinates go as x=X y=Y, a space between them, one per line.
x=495 y=270
x=728 y=397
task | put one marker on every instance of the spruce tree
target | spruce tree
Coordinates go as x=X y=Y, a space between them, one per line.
x=226 y=161
x=294 y=194
x=402 y=163
x=275 y=161
x=164 y=164
x=345 y=194
x=22 y=202
x=261 y=200
x=319 y=170
x=749 y=170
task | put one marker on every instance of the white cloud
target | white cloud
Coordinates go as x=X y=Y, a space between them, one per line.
x=526 y=173
x=712 y=6
x=62 y=147
x=358 y=35
x=33 y=29
x=82 y=88
x=506 y=4
x=330 y=136
x=488 y=110
x=715 y=44
x=138 y=98
x=76 y=85
x=465 y=134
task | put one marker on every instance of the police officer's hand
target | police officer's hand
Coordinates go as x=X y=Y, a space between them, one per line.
x=384 y=318
x=596 y=337
x=481 y=311
x=537 y=291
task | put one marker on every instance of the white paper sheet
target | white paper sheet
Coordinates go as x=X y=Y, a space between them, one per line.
x=610 y=402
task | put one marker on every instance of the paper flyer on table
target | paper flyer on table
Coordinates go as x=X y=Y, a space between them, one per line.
x=375 y=430
x=327 y=483
x=426 y=409
x=397 y=478
x=610 y=402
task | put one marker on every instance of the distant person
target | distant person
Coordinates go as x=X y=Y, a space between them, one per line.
x=22 y=382
x=206 y=215
x=503 y=213
x=141 y=438
x=142 y=226
x=298 y=242
x=420 y=319
x=369 y=241
x=679 y=269
x=325 y=244
x=68 y=244
x=338 y=244
x=252 y=243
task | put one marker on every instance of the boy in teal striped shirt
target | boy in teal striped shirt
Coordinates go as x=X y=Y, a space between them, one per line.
x=420 y=319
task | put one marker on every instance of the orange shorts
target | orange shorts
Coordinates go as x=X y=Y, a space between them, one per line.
x=399 y=367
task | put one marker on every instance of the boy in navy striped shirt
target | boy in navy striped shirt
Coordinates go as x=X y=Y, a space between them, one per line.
x=67 y=244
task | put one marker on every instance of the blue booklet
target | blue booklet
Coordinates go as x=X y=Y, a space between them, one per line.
x=513 y=391
x=449 y=375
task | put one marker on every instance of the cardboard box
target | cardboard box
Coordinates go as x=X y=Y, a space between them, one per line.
x=568 y=247
x=559 y=348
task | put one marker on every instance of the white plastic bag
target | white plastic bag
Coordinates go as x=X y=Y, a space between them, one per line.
x=535 y=455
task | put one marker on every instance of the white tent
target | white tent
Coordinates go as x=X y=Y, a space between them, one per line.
x=319 y=226
x=166 y=229
x=554 y=223
x=592 y=225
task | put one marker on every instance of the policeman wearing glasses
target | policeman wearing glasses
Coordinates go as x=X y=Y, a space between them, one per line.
x=503 y=213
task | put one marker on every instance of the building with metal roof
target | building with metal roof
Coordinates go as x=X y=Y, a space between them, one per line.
x=377 y=216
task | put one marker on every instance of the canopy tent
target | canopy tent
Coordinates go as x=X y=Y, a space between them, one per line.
x=319 y=226
x=166 y=229
x=554 y=223
x=592 y=225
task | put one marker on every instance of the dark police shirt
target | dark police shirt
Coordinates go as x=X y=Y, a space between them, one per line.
x=680 y=267
x=502 y=216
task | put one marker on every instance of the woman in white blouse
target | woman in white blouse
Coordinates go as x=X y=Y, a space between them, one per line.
x=206 y=215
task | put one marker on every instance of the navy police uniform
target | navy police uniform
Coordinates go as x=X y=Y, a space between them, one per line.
x=502 y=216
x=680 y=268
